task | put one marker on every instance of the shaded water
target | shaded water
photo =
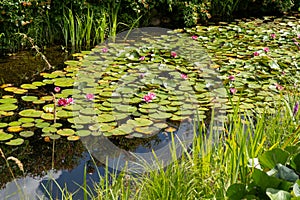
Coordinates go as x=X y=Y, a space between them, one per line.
x=25 y=66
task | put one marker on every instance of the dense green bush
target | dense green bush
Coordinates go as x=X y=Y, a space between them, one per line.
x=44 y=20
x=22 y=17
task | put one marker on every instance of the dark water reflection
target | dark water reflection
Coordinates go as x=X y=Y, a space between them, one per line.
x=25 y=66
x=70 y=162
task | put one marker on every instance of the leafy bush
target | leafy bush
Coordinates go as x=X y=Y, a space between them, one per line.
x=42 y=20
x=21 y=16
x=275 y=175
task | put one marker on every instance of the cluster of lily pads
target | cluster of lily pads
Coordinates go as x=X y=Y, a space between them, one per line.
x=259 y=59
x=148 y=85
x=118 y=89
x=147 y=88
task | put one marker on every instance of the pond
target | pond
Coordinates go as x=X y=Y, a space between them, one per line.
x=121 y=101
x=135 y=93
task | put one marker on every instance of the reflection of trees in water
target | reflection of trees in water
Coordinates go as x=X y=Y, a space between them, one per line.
x=26 y=65
x=36 y=156
x=130 y=144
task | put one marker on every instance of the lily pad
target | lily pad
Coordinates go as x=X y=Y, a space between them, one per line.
x=14 y=129
x=106 y=118
x=63 y=82
x=120 y=116
x=147 y=130
x=28 y=125
x=66 y=132
x=8 y=107
x=26 y=134
x=149 y=105
x=140 y=122
x=26 y=120
x=42 y=124
x=15 y=123
x=88 y=111
x=126 y=108
x=82 y=119
x=31 y=113
x=160 y=125
x=15 y=142
x=83 y=133
x=106 y=127
x=8 y=100
x=64 y=114
x=39 y=101
x=47 y=116
x=56 y=125
x=160 y=115
x=54 y=136
x=29 y=86
x=49 y=129
x=3 y=125
x=47 y=98
x=29 y=98
x=73 y=138
x=5 y=136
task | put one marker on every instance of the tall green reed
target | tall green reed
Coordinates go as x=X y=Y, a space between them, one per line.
x=100 y=27
x=113 y=9
x=224 y=8
x=79 y=30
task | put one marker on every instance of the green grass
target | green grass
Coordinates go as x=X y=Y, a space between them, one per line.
x=209 y=168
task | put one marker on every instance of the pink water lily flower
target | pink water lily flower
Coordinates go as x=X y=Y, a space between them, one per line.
x=62 y=102
x=256 y=53
x=278 y=87
x=233 y=90
x=105 y=50
x=231 y=77
x=142 y=58
x=147 y=98
x=194 y=37
x=151 y=95
x=142 y=75
x=183 y=76
x=89 y=96
x=70 y=100
x=273 y=35
x=57 y=89
x=173 y=54
x=266 y=49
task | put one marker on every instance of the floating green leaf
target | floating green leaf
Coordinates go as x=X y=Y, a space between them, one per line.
x=29 y=98
x=66 y=132
x=29 y=86
x=15 y=142
x=31 y=113
x=5 y=136
x=26 y=134
x=8 y=107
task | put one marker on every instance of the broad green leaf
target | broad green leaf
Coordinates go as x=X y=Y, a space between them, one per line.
x=296 y=189
x=275 y=156
x=286 y=173
x=296 y=163
x=275 y=194
x=236 y=191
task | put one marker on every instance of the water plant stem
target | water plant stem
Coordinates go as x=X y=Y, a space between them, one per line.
x=36 y=48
